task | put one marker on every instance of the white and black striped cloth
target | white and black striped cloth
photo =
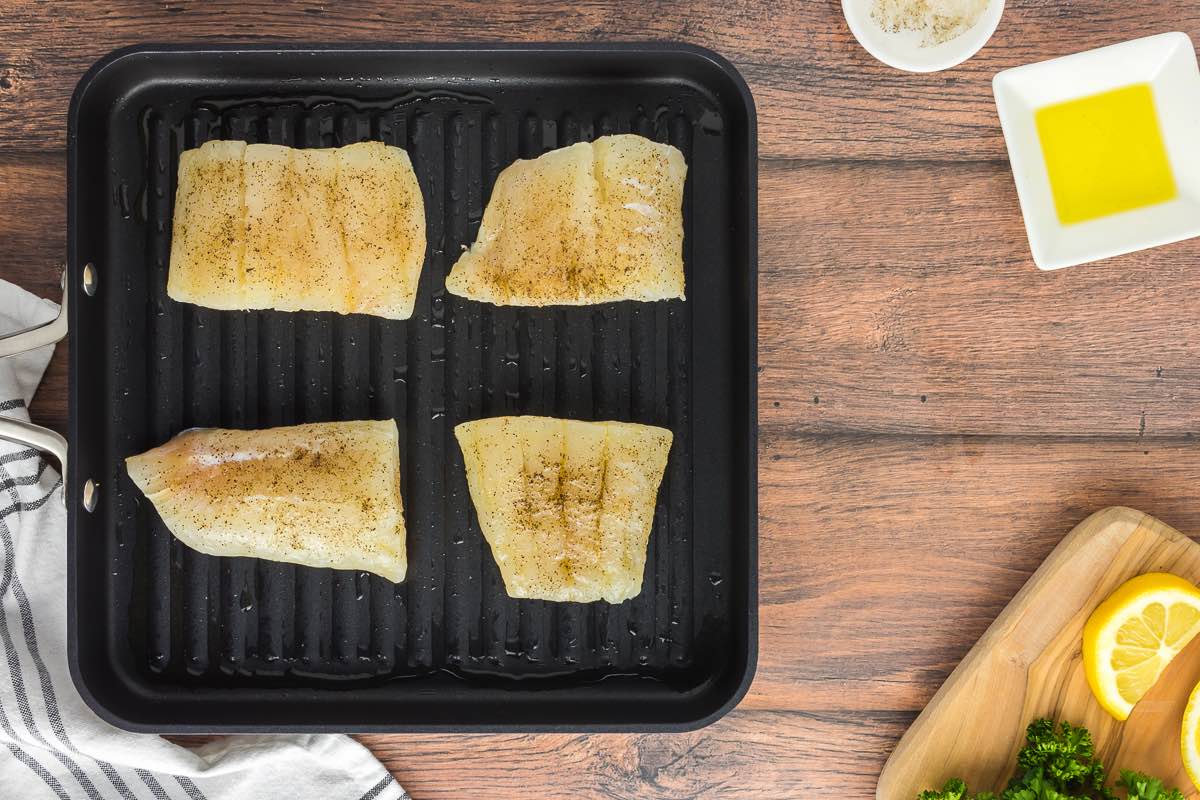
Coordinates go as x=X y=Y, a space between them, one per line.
x=51 y=744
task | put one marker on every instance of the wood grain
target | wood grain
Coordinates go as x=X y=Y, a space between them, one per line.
x=1028 y=665
x=819 y=94
x=883 y=559
x=893 y=267
x=746 y=755
x=902 y=298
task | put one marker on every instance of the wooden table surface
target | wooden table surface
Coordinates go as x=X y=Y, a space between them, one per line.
x=935 y=413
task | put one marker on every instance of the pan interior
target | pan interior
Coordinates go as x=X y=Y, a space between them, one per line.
x=169 y=638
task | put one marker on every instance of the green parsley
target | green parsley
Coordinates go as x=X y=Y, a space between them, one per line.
x=1061 y=765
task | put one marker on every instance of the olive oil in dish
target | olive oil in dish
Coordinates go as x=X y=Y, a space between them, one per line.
x=1105 y=154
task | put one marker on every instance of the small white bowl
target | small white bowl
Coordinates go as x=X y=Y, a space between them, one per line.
x=1168 y=63
x=903 y=50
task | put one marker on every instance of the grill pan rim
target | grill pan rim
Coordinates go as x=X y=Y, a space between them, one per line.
x=740 y=672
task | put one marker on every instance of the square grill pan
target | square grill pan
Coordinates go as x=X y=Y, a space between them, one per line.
x=166 y=639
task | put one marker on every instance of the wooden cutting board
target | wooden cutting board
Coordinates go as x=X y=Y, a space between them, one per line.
x=1028 y=665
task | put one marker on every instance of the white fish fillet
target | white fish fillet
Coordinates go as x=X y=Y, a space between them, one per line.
x=267 y=226
x=324 y=494
x=595 y=222
x=567 y=506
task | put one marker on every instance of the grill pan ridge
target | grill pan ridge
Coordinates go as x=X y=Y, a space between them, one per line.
x=167 y=639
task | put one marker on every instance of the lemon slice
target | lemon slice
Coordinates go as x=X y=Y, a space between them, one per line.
x=1133 y=635
x=1190 y=741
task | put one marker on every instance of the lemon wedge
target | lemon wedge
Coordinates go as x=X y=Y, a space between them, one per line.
x=1191 y=737
x=1133 y=635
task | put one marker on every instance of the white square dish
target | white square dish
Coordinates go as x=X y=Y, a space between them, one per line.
x=1168 y=63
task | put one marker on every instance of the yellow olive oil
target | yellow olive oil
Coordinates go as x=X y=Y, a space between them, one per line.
x=1105 y=154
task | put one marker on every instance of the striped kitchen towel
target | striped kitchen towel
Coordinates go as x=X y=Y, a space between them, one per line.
x=51 y=744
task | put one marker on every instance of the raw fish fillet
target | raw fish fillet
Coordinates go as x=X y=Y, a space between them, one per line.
x=566 y=506
x=323 y=495
x=595 y=222
x=267 y=226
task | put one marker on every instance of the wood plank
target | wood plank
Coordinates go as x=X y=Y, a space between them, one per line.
x=746 y=755
x=902 y=298
x=1028 y=665
x=819 y=94
x=883 y=559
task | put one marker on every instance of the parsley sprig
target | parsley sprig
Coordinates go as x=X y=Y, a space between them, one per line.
x=1061 y=765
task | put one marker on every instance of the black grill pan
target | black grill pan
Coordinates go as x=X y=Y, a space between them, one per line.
x=169 y=640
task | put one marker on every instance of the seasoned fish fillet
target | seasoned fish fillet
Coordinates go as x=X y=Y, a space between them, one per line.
x=267 y=226
x=324 y=494
x=210 y=227
x=591 y=223
x=566 y=506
